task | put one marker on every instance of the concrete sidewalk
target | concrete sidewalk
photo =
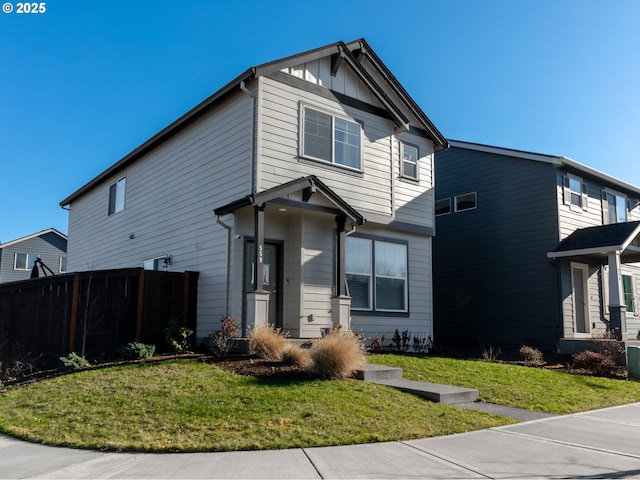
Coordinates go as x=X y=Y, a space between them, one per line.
x=597 y=444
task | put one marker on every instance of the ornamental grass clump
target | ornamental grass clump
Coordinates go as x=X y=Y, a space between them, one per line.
x=295 y=355
x=338 y=355
x=267 y=342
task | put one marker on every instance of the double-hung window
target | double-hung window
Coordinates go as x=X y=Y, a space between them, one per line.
x=24 y=261
x=377 y=275
x=331 y=139
x=409 y=166
x=628 y=288
x=116 y=196
x=614 y=206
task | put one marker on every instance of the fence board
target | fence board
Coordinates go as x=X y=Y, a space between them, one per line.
x=102 y=310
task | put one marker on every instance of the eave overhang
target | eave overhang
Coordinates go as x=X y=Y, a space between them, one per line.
x=601 y=241
x=307 y=185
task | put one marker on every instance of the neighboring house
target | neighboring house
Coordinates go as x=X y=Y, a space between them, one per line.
x=18 y=256
x=321 y=159
x=532 y=249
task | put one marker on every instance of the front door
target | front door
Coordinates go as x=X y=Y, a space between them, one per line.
x=579 y=275
x=272 y=279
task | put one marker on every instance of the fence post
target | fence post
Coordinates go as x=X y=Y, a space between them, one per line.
x=140 y=305
x=73 y=324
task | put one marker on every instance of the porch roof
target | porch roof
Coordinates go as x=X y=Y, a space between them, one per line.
x=598 y=242
x=308 y=185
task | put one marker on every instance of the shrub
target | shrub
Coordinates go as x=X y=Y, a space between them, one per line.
x=71 y=362
x=267 y=342
x=491 y=354
x=295 y=355
x=401 y=341
x=422 y=344
x=221 y=339
x=598 y=363
x=136 y=351
x=177 y=336
x=338 y=356
x=377 y=343
x=531 y=356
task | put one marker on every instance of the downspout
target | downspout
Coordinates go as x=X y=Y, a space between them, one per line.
x=228 y=272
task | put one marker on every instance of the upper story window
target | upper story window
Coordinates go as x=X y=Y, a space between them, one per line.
x=24 y=261
x=614 y=207
x=62 y=266
x=443 y=206
x=575 y=192
x=409 y=166
x=377 y=274
x=331 y=139
x=116 y=196
x=468 y=201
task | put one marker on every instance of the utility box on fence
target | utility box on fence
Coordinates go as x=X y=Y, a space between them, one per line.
x=633 y=361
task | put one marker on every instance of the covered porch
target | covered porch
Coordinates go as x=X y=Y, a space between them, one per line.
x=601 y=252
x=291 y=257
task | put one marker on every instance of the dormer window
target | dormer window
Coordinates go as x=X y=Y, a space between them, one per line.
x=331 y=139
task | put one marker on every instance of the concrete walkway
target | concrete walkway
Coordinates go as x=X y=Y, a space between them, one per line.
x=597 y=444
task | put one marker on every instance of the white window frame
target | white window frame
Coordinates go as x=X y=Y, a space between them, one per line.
x=30 y=261
x=62 y=268
x=580 y=192
x=374 y=276
x=458 y=197
x=332 y=160
x=404 y=162
x=635 y=310
x=117 y=191
x=448 y=212
x=162 y=263
x=605 y=205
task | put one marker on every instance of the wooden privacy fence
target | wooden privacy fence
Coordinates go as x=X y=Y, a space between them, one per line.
x=97 y=311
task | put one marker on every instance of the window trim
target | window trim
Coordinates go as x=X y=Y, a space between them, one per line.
x=475 y=202
x=403 y=173
x=581 y=193
x=632 y=295
x=114 y=192
x=27 y=262
x=303 y=109
x=372 y=309
x=449 y=210
x=60 y=269
x=163 y=262
x=605 y=205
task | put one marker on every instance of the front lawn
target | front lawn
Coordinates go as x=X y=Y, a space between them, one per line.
x=518 y=386
x=187 y=405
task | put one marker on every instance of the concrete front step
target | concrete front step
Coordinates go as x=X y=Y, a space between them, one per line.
x=435 y=392
x=392 y=377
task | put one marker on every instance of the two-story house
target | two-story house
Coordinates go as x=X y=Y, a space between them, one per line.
x=532 y=249
x=302 y=191
x=18 y=257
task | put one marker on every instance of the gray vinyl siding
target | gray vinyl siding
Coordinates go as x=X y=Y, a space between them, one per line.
x=169 y=201
x=49 y=246
x=493 y=282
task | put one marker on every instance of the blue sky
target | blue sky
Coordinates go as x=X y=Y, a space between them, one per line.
x=84 y=83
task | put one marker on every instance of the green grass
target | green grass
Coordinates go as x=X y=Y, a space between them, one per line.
x=518 y=386
x=193 y=406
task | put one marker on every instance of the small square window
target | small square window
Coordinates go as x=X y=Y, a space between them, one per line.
x=409 y=166
x=466 y=202
x=24 y=261
x=443 y=206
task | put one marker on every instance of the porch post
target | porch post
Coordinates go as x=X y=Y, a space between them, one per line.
x=341 y=303
x=616 y=300
x=258 y=299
